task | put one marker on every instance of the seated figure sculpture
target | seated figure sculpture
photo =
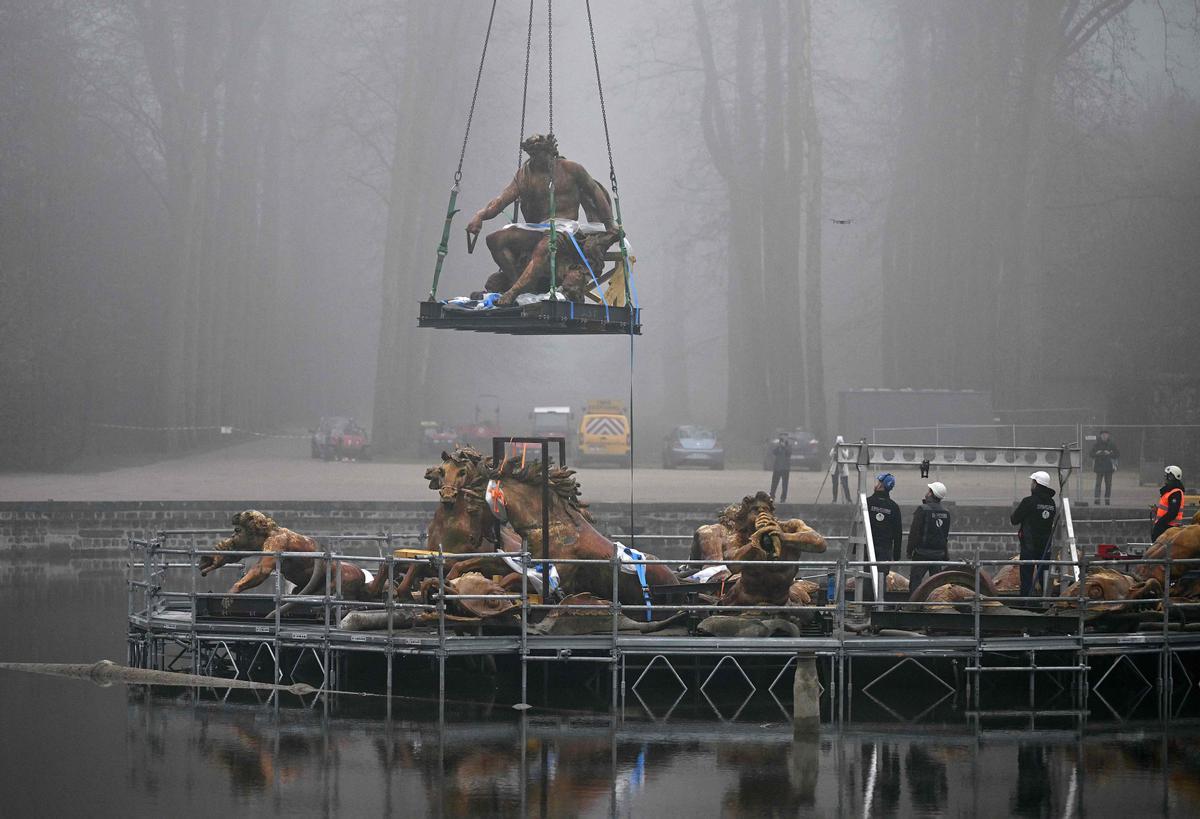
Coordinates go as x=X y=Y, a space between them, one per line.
x=521 y=252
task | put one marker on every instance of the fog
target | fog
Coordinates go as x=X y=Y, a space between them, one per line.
x=225 y=214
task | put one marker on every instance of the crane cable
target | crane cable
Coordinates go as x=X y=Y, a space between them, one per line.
x=524 y=103
x=550 y=56
x=630 y=295
x=444 y=245
x=474 y=96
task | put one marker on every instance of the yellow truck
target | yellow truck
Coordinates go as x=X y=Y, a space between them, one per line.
x=604 y=433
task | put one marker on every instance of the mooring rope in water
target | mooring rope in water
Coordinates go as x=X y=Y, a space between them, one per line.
x=106 y=673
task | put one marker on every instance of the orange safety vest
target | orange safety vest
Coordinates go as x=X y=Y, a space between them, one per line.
x=1161 y=511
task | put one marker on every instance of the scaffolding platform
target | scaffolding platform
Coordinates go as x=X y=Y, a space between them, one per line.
x=174 y=626
x=543 y=318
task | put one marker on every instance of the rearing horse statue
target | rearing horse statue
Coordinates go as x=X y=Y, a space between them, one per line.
x=479 y=497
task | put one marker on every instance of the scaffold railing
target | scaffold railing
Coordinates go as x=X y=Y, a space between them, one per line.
x=167 y=609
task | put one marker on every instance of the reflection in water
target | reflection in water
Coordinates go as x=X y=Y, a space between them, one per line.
x=769 y=778
x=479 y=762
x=1033 y=782
x=926 y=778
x=200 y=753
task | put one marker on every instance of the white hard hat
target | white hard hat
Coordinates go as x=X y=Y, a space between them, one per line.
x=1041 y=478
x=1174 y=471
x=938 y=489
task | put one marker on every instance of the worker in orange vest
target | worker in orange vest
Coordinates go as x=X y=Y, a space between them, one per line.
x=1169 y=511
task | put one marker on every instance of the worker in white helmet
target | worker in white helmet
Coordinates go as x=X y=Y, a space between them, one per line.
x=1169 y=511
x=929 y=534
x=1035 y=515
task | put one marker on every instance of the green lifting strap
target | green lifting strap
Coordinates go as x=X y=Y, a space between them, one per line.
x=444 y=247
x=553 y=233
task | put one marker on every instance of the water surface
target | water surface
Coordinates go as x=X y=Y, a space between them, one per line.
x=73 y=748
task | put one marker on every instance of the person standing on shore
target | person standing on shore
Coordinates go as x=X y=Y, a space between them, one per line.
x=839 y=472
x=1104 y=457
x=781 y=466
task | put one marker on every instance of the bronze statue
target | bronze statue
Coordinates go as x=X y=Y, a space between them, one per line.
x=522 y=254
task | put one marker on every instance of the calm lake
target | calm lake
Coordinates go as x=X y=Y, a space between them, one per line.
x=71 y=748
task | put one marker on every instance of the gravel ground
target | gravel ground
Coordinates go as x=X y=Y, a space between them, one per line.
x=281 y=469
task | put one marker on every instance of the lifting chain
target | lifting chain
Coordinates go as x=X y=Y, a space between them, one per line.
x=474 y=96
x=525 y=85
x=550 y=56
x=612 y=171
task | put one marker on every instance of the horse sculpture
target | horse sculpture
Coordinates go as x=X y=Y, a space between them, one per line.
x=479 y=497
x=1107 y=588
x=254 y=531
x=459 y=526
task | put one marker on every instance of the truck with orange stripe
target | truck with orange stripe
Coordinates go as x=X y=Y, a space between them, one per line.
x=604 y=433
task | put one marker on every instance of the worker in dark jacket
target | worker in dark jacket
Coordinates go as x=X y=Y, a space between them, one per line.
x=1035 y=514
x=1104 y=457
x=781 y=466
x=887 y=528
x=929 y=535
x=1169 y=511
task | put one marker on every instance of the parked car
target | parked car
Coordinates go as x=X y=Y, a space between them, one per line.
x=806 y=450
x=337 y=437
x=436 y=438
x=692 y=445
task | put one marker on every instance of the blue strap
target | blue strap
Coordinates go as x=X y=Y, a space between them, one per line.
x=588 y=264
x=640 y=569
x=536 y=568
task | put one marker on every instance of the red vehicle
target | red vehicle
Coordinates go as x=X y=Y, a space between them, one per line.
x=340 y=438
x=436 y=438
x=479 y=434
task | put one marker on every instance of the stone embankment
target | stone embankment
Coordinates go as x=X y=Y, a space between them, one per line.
x=91 y=528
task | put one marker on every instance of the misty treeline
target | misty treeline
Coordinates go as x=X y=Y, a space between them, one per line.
x=223 y=212
x=763 y=137
x=1041 y=219
x=179 y=253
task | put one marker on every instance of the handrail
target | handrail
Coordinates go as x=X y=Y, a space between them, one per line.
x=156 y=560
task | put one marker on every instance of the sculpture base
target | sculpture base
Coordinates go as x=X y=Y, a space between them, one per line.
x=545 y=318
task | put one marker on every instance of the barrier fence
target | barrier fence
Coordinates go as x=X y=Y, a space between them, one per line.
x=1145 y=449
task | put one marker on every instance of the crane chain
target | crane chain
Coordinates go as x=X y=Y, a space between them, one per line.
x=550 y=56
x=612 y=171
x=525 y=84
x=474 y=96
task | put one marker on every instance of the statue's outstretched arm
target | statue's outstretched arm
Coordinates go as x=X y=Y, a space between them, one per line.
x=493 y=208
x=259 y=572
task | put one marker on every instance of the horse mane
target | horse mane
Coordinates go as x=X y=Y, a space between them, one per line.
x=463 y=456
x=562 y=480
